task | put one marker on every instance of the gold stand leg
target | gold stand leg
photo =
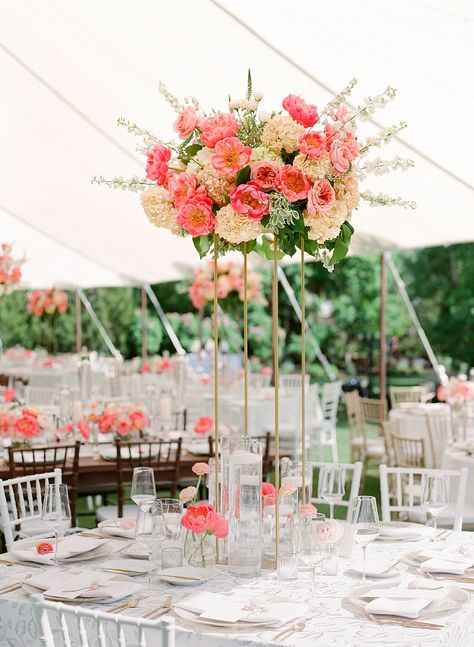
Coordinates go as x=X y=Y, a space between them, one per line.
x=216 y=387
x=276 y=382
x=303 y=376
x=246 y=348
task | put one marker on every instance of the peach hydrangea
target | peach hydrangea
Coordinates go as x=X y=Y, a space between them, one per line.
x=236 y=228
x=282 y=132
x=314 y=169
x=261 y=153
x=325 y=226
x=159 y=208
x=347 y=191
x=218 y=187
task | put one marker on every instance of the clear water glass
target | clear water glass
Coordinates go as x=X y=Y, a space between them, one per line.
x=150 y=532
x=172 y=511
x=331 y=486
x=56 y=512
x=435 y=497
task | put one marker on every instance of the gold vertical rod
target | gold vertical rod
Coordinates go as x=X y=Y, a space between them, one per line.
x=246 y=348
x=216 y=387
x=276 y=381
x=303 y=376
x=144 y=304
x=78 y=323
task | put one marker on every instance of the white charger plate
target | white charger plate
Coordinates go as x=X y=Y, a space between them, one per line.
x=166 y=574
x=101 y=551
x=414 y=559
x=105 y=600
x=134 y=567
x=415 y=531
x=455 y=598
x=396 y=570
x=193 y=617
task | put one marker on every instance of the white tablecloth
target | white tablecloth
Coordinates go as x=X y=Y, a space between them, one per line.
x=454 y=459
x=327 y=624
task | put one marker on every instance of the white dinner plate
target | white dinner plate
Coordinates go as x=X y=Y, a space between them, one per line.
x=396 y=570
x=414 y=531
x=414 y=559
x=197 y=448
x=130 y=567
x=169 y=575
x=194 y=617
x=452 y=602
x=110 y=453
x=98 y=600
x=101 y=551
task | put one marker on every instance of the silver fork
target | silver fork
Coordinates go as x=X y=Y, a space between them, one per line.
x=283 y=635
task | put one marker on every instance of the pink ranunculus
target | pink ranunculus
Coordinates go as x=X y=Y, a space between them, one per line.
x=304 y=113
x=250 y=201
x=268 y=488
x=321 y=197
x=187 y=494
x=200 y=469
x=203 y=425
x=307 y=510
x=312 y=144
x=214 y=129
x=231 y=155
x=84 y=429
x=293 y=183
x=340 y=156
x=266 y=174
x=196 y=217
x=181 y=187
x=157 y=165
x=186 y=122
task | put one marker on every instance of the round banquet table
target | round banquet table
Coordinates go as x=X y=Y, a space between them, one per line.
x=411 y=421
x=455 y=459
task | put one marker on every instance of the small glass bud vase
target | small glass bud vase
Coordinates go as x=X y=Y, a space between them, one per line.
x=245 y=507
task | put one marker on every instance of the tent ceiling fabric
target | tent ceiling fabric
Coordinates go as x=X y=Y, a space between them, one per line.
x=70 y=69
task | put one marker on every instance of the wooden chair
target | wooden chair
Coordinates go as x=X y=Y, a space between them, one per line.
x=266 y=460
x=440 y=429
x=374 y=411
x=402 y=394
x=408 y=451
x=352 y=472
x=406 y=485
x=21 y=504
x=163 y=456
x=25 y=461
x=62 y=625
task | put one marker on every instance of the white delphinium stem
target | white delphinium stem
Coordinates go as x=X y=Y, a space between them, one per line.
x=384 y=136
x=339 y=98
x=134 y=184
x=380 y=166
x=384 y=200
x=170 y=98
x=148 y=138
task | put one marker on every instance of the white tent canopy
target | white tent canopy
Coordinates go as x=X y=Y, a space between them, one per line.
x=70 y=69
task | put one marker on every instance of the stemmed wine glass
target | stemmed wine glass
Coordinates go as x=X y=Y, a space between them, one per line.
x=434 y=497
x=56 y=512
x=143 y=491
x=150 y=530
x=364 y=518
x=309 y=549
x=331 y=485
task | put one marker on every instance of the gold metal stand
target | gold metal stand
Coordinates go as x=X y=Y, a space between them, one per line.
x=276 y=381
x=246 y=348
x=303 y=376
x=216 y=387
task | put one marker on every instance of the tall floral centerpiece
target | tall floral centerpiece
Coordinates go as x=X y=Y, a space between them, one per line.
x=10 y=270
x=47 y=305
x=272 y=182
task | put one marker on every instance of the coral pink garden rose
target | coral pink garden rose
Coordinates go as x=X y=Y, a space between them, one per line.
x=200 y=469
x=203 y=425
x=266 y=174
x=231 y=155
x=157 y=164
x=196 y=216
x=304 y=113
x=250 y=201
x=293 y=183
x=44 y=548
x=216 y=128
x=321 y=197
x=313 y=144
x=340 y=156
x=186 y=122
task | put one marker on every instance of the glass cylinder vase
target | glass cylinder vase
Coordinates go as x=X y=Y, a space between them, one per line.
x=292 y=475
x=245 y=507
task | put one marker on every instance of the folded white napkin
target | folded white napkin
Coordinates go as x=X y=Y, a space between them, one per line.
x=440 y=565
x=375 y=566
x=400 y=532
x=70 y=546
x=409 y=608
x=118 y=528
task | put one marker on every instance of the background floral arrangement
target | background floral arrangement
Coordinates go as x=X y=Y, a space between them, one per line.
x=47 y=302
x=230 y=284
x=456 y=391
x=26 y=423
x=10 y=271
x=243 y=173
x=121 y=419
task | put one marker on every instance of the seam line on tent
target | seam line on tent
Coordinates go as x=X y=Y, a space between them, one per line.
x=331 y=91
x=70 y=105
x=11 y=213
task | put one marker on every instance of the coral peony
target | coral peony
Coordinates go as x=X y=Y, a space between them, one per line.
x=196 y=216
x=27 y=425
x=293 y=183
x=321 y=197
x=249 y=200
x=216 y=128
x=186 y=122
x=304 y=113
x=231 y=155
x=181 y=187
x=266 y=174
x=157 y=167
x=203 y=518
x=203 y=425
x=313 y=144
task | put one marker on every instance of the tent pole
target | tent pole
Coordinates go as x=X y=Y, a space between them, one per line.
x=312 y=339
x=91 y=312
x=438 y=369
x=78 y=322
x=383 y=341
x=164 y=319
x=144 y=303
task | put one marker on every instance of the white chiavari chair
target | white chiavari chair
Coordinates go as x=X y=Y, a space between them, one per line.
x=61 y=625
x=415 y=394
x=293 y=381
x=400 y=489
x=40 y=395
x=330 y=395
x=440 y=429
x=21 y=501
x=352 y=473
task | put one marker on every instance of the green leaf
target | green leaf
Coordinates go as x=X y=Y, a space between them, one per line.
x=249 y=85
x=341 y=246
x=202 y=244
x=192 y=150
x=243 y=176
